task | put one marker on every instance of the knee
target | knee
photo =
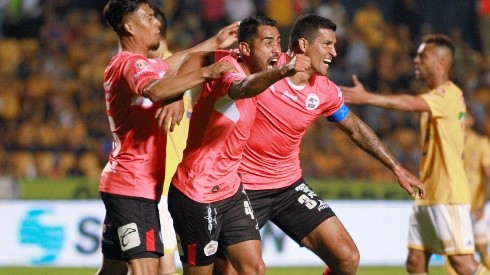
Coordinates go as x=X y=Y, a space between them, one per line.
x=257 y=267
x=347 y=263
x=352 y=261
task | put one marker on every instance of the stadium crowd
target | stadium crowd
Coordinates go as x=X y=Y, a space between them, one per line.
x=53 y=53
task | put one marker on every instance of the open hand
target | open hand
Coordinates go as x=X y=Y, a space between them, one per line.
x=356 y=94
x=170 y=115
x=227 y=35
x=215 y=70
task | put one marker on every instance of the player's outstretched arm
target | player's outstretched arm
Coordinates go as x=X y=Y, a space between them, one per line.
x=367 y=140
x=358 y=95
x=170 y=87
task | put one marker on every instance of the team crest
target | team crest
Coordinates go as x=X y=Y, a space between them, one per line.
x=141 y=64
x=312 y=102
x=211 y=248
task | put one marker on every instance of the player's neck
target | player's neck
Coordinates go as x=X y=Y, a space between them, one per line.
x=300 y=79
x=130 y=45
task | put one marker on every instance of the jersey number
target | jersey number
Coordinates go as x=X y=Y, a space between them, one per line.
x=304 y=199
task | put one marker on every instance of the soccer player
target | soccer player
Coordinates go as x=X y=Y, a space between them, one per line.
x=271 y=172
x=476 y=156
x=176 y=141
x=131 y=183
x=440 y=223
x=210 y=209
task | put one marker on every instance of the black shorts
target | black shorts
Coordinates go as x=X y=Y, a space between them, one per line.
x=131 y=228
x=295 y=209
x=203 y=229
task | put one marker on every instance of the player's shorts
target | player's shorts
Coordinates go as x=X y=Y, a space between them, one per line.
x=131 y=228
x=297 y=209
x=204 y=228
x=444 y=229
x=480 y=229
x=167 y=224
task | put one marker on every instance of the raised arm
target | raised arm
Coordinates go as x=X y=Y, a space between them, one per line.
x=256 y=83
x=367 y=140
x=223 y=39
x=358 y=95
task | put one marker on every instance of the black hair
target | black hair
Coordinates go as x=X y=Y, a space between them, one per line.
x=307 y=26
x=440 y=40
x=248 y=27
x=115 y=10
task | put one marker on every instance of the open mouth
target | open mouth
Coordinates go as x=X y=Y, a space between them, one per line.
x=273 y=62
x=327 y=61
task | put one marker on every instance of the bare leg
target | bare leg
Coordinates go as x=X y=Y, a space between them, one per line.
x=417 y=261
x=112 y=267
x=166 y=265
x=463 y=264
x=333 y=244
x=246 y=257
x=223 y=267
x=143 y=266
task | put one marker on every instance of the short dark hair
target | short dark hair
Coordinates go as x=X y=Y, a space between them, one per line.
x=248 y=27
x=115 y=10
x=440 y=40
x=307 y=26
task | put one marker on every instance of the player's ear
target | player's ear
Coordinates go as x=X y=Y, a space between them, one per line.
x=303 y=44
x=244 y=48
x=128 y=27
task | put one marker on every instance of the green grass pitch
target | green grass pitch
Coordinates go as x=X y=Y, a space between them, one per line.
x=363 y=270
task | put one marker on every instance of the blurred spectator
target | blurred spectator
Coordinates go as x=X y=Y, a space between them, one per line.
x=406 y=13
x=237 y=10
x=335 y=11
x=23 y=18
x=52 y=101
x=483 y=15
x=370 y=23
x=213 y=16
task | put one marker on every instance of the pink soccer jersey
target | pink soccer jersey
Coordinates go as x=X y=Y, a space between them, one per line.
x=284 y=111
x=136 y=164
x=218 y=131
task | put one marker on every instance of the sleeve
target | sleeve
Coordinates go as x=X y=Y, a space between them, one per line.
x=139 y=70
x=336 y=110
x=227 y=79
x=440 y=102
x=219 y=54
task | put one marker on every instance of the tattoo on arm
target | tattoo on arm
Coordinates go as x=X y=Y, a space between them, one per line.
x=366 y=139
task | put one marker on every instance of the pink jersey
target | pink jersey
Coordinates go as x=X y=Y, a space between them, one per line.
x=218 y=131
x=284 y=111
x=136 y=164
